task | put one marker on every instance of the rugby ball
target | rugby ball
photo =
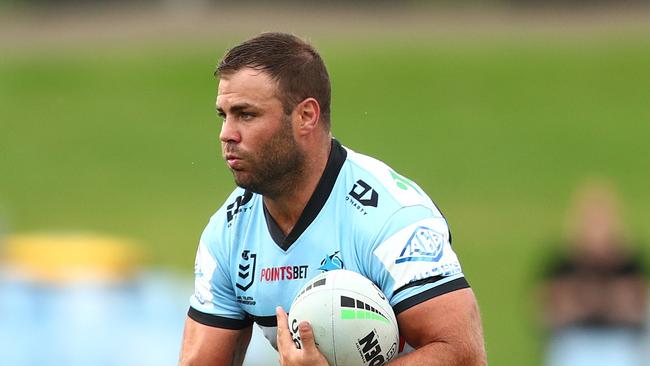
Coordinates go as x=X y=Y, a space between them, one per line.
x=353 y=323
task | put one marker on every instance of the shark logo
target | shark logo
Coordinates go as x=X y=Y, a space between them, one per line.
x=331 y=262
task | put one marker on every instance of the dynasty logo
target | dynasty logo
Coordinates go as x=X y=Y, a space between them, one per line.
x=363 y=193
x=237 y=206
x=361 y=196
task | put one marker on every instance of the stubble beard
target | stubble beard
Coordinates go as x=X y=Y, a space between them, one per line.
x=278 y=166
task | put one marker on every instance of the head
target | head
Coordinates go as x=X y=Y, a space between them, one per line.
x=293 y=64
x=273 y=97
x=595 y=227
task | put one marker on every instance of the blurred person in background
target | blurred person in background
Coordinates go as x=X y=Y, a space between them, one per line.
x=595 y=293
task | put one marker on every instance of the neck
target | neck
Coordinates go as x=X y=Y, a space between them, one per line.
x=287 y=205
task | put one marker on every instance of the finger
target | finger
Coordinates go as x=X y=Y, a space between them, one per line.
x=282 y=318
x=283 y=336
x=307 y=337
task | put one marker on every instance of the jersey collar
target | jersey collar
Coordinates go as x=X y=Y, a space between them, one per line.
x=325 y=185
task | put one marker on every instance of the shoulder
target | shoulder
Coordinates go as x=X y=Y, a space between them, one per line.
x=227 y=219
x=401 y=211
x=379 y=182
x=239 y=200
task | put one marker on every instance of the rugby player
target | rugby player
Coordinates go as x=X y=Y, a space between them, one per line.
x=306 y=204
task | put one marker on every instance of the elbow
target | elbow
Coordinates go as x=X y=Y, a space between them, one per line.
x=479 y=358
x=463 y=353
x=474 y=355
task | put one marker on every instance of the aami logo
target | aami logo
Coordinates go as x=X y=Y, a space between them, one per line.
x=363 y=193
x=331 y=262
x=236 y=207
x=370 y=349
x=246 y=271
x=425 y=244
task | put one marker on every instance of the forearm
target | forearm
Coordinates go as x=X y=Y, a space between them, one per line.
x=205 y=345
x=443 y=354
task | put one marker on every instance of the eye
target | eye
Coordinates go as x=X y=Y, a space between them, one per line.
x=247 y=116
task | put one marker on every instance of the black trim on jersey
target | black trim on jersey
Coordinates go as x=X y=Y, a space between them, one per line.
x=453 y=285
x=421 y=282
x=274 y=229
x=322 y=192
x=265 y=321
x=218 y=321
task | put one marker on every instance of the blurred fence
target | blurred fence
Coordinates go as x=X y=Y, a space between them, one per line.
x=86 y=300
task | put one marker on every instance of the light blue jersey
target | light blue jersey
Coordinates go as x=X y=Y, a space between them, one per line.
x=363 y=216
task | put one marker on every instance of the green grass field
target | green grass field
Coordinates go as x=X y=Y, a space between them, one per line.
x=124 y=141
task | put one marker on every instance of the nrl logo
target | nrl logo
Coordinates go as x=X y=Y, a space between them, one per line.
x=246 y=271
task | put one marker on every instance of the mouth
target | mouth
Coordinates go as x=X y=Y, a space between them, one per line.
x=233 y=161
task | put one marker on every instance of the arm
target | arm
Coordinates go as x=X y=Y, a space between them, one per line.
x=445 y=330
x=416 y=267
x=628 y=300
x=561 y=303
x=206 y=345
x=217 y=330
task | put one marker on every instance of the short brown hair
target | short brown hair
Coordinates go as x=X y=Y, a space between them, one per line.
x=292 y=62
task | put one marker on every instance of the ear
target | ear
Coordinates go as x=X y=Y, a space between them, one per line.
x=307 y=116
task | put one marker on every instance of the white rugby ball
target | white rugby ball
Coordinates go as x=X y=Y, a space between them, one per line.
x=353 y=323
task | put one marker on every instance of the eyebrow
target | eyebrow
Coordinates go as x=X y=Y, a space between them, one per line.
x=235 y=108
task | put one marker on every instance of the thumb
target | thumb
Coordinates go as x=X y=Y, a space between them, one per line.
x=307 y=337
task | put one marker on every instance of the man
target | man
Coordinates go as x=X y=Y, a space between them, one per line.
x=585 y=327
x=305 y=204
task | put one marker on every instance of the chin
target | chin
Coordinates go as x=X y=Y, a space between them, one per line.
x=250 y=186
x=243 y=181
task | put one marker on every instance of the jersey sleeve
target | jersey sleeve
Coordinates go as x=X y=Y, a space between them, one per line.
x=412 y=259
x=213 y=302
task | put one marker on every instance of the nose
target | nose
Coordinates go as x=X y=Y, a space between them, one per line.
x=229 y=132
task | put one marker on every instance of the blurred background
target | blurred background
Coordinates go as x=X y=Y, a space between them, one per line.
x=503 y=111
